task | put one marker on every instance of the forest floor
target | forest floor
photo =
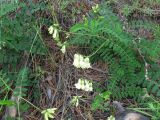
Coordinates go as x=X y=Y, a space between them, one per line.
x=58 y=75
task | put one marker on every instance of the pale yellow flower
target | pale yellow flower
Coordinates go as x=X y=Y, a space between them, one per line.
x=84 y=84
x=111 y=118
x=63 y=49
x=55 y=34
x=81 y=62
x=49 y=113
x=75 y=100
x=95 y=8
x=50 y=29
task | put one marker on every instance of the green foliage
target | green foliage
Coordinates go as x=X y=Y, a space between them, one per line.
x=145 y=7
x=21 y=83
x=154 y=107
x=151 y=107
x=150 y=48
x=6 y=102
x=17 y=86
x=19 y=33
x=9 y=6
x=152 y=85
x=101 y=33
x=104 y=35
x=114 y=45
x=20 y=37
x=148 y=37
x=4 y=82
x=100 y=101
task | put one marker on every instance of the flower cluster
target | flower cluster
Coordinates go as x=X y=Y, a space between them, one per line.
x=49 y=113
x=81 y=62
x=95 y=8
x=75 y=100
x=111 y=118
x=54 y=31
x=84 y=84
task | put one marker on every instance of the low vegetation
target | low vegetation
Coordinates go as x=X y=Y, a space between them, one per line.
x=70 y=59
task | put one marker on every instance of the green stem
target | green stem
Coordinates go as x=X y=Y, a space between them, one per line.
x=139 y=111
x=30 y=104
x=97 y=50
x=20 y=96
x=83 y=34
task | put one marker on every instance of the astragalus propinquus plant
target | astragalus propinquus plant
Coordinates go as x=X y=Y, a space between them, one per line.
x=72 y=59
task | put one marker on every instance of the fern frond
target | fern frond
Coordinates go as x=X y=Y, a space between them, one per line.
x=21 y=83
x=4 y=83
x=9 y=6
x=127 y=92
x=114 y=46
x=117 y=49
